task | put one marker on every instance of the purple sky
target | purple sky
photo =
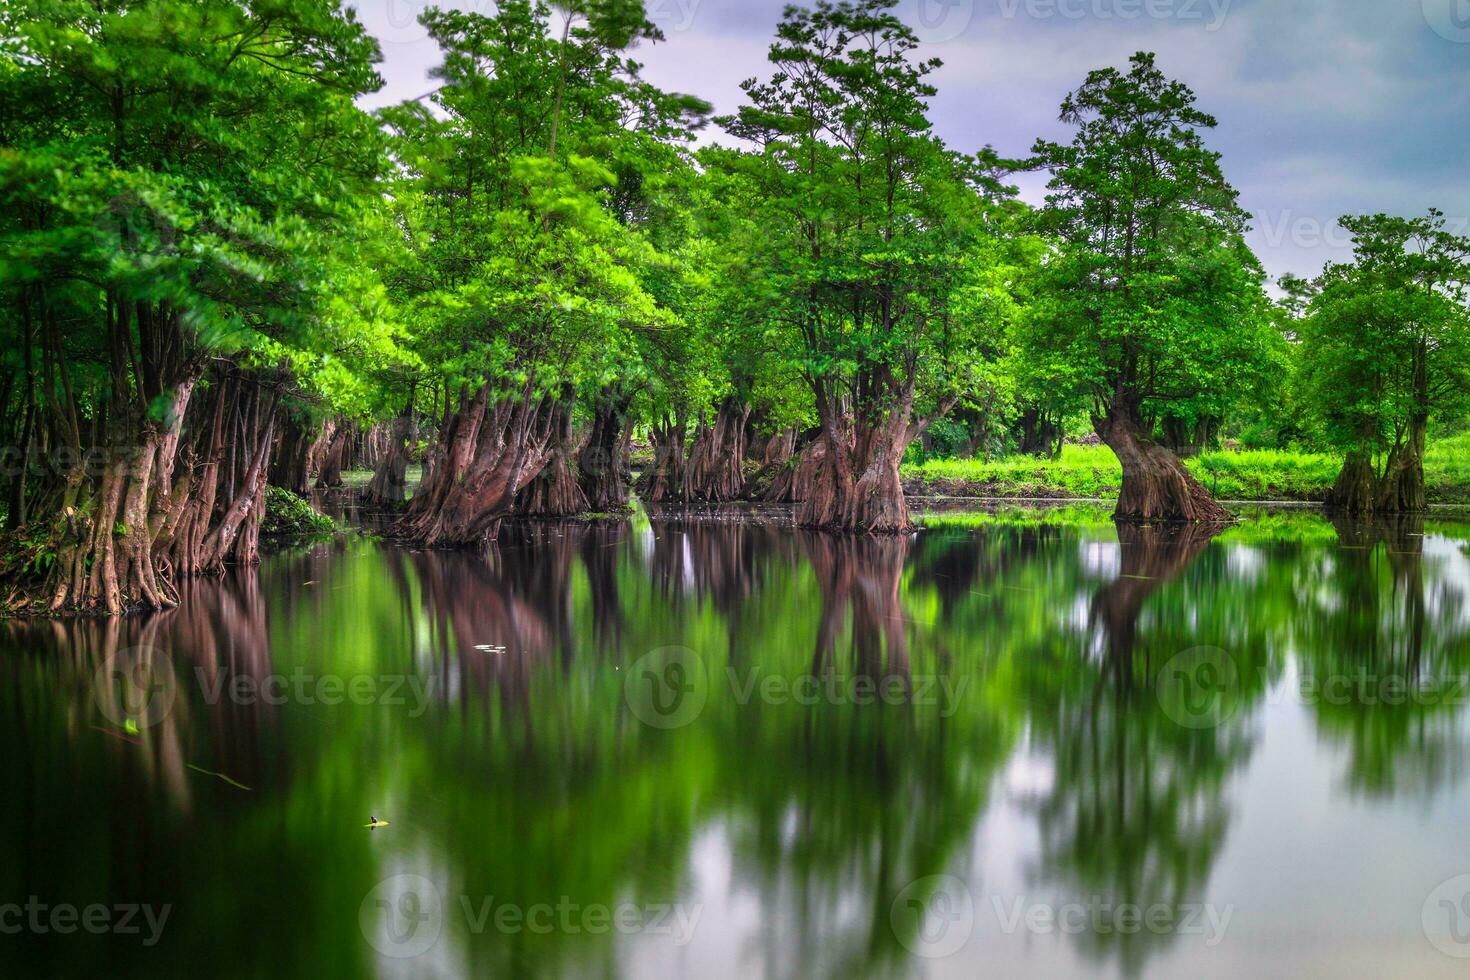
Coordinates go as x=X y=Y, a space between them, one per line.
x=1325 y=107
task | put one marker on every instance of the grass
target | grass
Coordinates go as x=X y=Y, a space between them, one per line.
x=1259 y=474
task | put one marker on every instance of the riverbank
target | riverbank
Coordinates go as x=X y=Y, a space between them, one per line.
x=1093 y=472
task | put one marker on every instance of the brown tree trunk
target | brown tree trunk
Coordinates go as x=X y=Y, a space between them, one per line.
x=772 y=482
x=389 y=484
x=334 y=457
x=1401 y=489
x=792 y=483
x=556 y=490
x=664 y=480
x=714 y=471
x=1355 y=491
x=603 y=465
x=288 y=466
x=853 y=483
x=1038 y=433
x=325 y=437
x=1156 y=485
x=485 y=454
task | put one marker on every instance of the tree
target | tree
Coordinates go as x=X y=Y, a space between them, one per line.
x=184 y=204
x=1385 y=349
x=528 y=277
x=1152 y=298
x=878 y=261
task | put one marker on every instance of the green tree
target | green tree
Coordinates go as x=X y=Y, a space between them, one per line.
x=883 y=276
x=1385 y=349
x=531 y=276
x=185 y=206
x=1152 y=300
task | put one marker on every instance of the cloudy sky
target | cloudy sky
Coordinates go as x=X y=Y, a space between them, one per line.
x=1325 y=107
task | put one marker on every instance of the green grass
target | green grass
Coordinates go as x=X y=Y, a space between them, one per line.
x=1259 y=474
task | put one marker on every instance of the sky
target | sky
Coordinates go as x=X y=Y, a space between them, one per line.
x=1325 y=107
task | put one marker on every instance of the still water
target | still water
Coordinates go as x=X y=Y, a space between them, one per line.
x=710 y=745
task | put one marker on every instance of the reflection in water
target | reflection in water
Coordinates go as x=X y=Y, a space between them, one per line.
x=1137 y=811
x=791 y=815
x=1388 y=669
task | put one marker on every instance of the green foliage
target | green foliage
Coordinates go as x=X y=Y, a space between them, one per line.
x=1385 y=342
x=529 y=209
x=874 y=268
x=205 y=160
x=290 y=516
x=1093 y=471
x=1149 y=301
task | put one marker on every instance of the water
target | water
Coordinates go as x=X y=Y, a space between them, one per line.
x=710 y=745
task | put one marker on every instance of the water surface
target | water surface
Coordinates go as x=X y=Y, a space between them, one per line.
x=711 y=745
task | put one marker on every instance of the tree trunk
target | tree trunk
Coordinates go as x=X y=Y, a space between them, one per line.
x=1401 y=490
x=1156 y=485
x=857 y=487
x=485 y=454
x=852 y=483
x=1355 y=491
x=604 y=467
x=556 y=491
x=1038 y=433
x=794 y=481
x=334 y=457
x=772 y=482
x=664 y=480
x=389 y=484
x=325 y=438
x=288 y=467
x=714 y=472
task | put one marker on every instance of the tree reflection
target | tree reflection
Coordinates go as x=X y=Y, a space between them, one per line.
x=1386 y=656
x=1136 y=810
x=527 y=777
